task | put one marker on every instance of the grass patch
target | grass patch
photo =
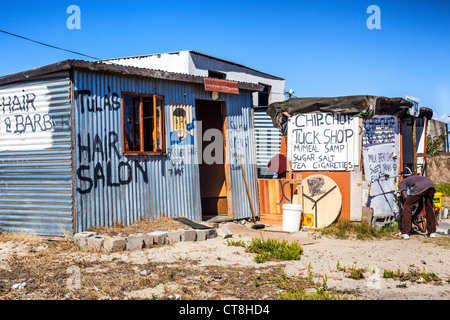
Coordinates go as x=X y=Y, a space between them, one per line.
x=237 y=243
x=270 y=249
x=444 y=188
x=353 y=271
x=344 y=229
x=303 y=289
x=439 y=241
x=412 y=275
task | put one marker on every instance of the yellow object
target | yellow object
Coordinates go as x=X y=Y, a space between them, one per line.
x=438 y=200
x=308 y=219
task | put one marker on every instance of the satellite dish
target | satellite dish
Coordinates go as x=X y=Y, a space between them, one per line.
x=322 y=198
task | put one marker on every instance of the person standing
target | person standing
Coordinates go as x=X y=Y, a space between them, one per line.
x=420 y=188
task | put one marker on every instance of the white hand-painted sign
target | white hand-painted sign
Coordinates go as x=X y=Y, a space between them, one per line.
x=380 y=152
x=323 y=142
x=25 y=122
x=381 y=159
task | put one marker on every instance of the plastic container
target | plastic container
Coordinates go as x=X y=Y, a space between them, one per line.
x=438 y=200
x=308 y=220
x=292 y=214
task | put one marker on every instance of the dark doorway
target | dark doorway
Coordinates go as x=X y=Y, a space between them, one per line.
x=213 y=186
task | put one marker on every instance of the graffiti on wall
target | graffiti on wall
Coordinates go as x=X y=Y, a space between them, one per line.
x=90 y=103
x=102 y=164
x=100 y=157
x=25 y=120
x=380 y=152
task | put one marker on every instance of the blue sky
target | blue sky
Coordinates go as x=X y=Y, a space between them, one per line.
x=321 y=48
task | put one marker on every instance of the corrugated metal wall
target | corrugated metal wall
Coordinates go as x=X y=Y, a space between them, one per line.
x=241 y=139
x=36 y=157
x=104 y=195
x=268 y=141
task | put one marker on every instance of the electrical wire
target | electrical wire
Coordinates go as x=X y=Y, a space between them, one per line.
x=48 y=45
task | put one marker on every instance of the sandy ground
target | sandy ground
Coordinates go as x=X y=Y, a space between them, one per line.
x=323 y=255
x=213 y=264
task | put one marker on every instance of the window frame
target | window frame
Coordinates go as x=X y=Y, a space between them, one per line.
x=217 y=75
x=263 y=95
x=142 y=138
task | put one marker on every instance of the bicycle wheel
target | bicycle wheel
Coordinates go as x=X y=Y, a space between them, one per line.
x=421 y=222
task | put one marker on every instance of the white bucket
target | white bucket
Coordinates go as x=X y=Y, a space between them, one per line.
x=292 y=214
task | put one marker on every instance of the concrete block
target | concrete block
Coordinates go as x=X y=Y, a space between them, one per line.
x=367 y=214
x=188 y=235
x=201 y=234
x=148 y=240
x=80 y=239
x=445 y=213
x=135 y=242
x=115 y=244
x=95 y=242
x=224 y=232
x=211 y=234
x=173 y=236
x=159 y=237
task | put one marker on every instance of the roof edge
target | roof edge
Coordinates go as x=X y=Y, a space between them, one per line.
x=200 y=54
x=68 y=65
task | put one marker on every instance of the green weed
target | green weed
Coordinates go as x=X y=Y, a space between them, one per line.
x=237 y=243
x=353 y=271
x=344 y=229
x=412 y=275
x=271 y=249
x=444 y=188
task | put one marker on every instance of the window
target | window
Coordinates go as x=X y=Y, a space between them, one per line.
x=216 y=75
x=263 y=96
x=143 y=123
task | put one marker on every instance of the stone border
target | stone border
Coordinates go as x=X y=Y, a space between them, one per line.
x=139 y=241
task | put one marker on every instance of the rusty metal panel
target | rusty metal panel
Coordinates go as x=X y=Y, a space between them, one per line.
x=242 y=156
x=113 y=188
x=36 y=156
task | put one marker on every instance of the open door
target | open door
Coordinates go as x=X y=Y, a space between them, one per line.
x=213 y=176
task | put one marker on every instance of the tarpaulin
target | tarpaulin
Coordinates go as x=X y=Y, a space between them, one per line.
x=362 y=106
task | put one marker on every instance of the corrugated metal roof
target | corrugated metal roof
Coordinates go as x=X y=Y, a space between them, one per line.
x=197 y=53
x=113 y=68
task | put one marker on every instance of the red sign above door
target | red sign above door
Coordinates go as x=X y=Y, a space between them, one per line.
x=223 y=86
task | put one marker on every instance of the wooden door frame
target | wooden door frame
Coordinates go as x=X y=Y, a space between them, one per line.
x=223 y=107
x=227 y=167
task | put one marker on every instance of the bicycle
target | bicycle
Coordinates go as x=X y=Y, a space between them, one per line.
x=418 y=217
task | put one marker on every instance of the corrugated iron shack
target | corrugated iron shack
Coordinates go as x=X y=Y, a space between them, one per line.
x=347 y=144
x=96 y=144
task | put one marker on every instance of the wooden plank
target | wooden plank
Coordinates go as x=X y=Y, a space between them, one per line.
x=227 y=166
x=273 y=196
x=273 y=219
